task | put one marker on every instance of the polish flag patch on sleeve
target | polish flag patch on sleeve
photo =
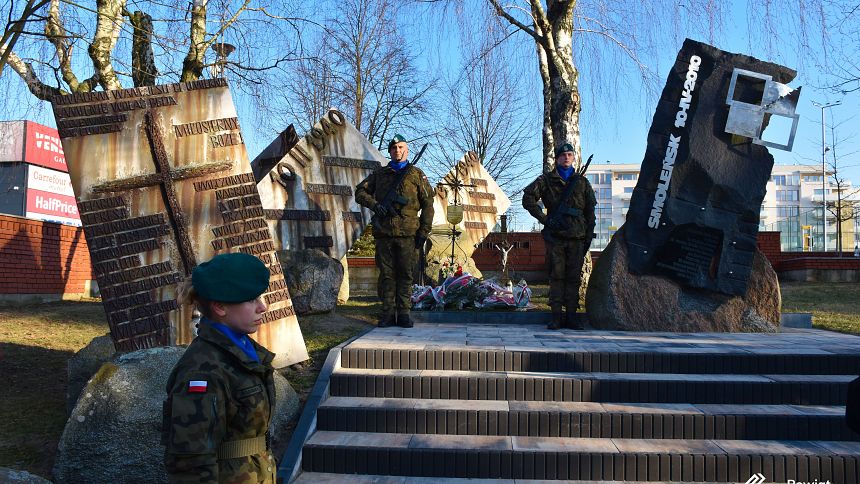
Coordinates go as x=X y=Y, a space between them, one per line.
x=197 y=386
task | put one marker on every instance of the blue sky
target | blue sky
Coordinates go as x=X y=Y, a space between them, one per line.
x=615 y=126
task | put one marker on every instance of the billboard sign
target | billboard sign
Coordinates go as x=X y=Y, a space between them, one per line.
x=43 y=147
x=50 y=196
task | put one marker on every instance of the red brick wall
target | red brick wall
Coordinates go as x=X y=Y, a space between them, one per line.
x=529 y=255
x=42 y=257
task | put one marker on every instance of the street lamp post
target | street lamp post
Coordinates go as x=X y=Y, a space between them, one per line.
x=824 y=171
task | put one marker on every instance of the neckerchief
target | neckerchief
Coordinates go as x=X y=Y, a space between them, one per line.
x=241 y=340
x=398 y=166
x=564 y=172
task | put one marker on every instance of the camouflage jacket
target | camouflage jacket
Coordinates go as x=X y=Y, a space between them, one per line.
x=549 y=188
x=236 y=404
x=418 y=193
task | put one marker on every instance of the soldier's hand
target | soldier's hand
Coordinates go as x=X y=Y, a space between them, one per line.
x=381 y=210
x=419 y=241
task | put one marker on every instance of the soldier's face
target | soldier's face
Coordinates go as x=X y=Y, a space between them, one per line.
x=398 y=152
x=245 y=317
x=564 y=160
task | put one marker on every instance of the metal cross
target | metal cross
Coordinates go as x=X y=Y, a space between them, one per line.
x=164 y=178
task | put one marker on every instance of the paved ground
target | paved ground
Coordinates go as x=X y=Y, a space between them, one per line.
x=426 y=336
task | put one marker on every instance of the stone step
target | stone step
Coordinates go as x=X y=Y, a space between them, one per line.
x=467 y=456
x=584 y=419
x=592 y=387
x=330 y=478
x=668 y=359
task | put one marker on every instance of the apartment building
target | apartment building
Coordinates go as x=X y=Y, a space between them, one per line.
x=792 y=206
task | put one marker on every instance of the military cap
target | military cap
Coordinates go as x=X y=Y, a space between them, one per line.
x=563 y=149
x=398 y=138
x=231 y=278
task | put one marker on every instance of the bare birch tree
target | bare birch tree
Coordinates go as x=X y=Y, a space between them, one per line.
x=486 y=112
x=367 y=69
x=69 y=47
x=844 y=207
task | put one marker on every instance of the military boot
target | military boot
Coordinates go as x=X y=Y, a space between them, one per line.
x=386 y=320
x=403 y=320
x=557 y=319
x=572 y=319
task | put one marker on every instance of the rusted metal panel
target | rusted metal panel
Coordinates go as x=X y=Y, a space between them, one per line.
x=309 y=195
x=162 y=179
x=482 y=199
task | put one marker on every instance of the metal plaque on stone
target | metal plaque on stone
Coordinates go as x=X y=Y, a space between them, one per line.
x=694 y=213
x=308 y=195
x=163 y=182
x=470 y=186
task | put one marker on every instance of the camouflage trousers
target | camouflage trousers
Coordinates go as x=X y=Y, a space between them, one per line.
x=565 y=258
x=395 y=258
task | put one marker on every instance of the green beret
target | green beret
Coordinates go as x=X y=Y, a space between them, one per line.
x=398 y=138
x=231 y=278
x=563 y=149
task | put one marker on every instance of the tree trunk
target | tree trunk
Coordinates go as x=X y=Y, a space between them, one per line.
x=192 y=66
x=548 y=140
x=108 y=26
x=143 y=70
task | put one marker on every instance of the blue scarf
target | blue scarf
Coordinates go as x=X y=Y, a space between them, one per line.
x=241 y=340
x=398 y=166
x=564 y=172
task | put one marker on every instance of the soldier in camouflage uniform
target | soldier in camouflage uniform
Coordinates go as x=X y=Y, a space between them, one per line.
x=221 y=392
x=399 y=231
x=568 y=240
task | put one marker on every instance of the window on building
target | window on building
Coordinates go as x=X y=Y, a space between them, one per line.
x=599 y=178
x=787 y=180
x=812 y=178
x=628 y=189
x=603 y=193
x=787 y=195
x=788 y=211
x=627 y=176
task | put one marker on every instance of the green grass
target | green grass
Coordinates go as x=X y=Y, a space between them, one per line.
x=36 y=341
x=834 y=306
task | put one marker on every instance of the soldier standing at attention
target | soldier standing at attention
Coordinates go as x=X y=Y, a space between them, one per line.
x=397 y=228
x=567 y=236
x=221 y=393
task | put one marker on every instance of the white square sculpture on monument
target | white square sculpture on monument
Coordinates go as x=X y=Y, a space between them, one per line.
x=163 y=182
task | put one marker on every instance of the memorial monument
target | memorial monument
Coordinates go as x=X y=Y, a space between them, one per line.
x=306 y=185
x=162 y=179
x=469 y=197
x=686 y=257
x=308 y=195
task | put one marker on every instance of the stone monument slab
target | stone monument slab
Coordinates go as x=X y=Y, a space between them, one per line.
x=694 y=213
x=308 y=195
x=468 y=185
x=162 y=180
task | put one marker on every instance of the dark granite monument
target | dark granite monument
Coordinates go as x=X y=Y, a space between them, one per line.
x=694 y=214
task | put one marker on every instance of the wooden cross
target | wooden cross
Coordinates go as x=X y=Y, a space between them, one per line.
x=164 y=178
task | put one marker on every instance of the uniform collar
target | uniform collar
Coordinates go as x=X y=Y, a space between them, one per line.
x=211 y=334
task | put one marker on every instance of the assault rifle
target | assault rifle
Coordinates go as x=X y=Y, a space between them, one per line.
x=392 y=202
x=556 y=220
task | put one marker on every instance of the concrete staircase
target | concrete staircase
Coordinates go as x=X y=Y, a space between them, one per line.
x=523 y=403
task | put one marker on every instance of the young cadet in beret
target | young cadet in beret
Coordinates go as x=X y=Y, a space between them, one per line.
x=568 y=237
x=221 y=393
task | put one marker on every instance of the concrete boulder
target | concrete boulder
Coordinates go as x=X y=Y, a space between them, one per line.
x=620 y=300
x=313 y=279
x=11 y=476
x=86 y=362
x=114 y=432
